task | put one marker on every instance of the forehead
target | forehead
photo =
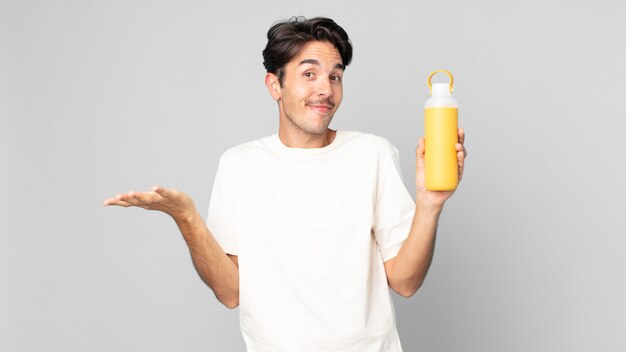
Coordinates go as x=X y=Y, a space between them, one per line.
x=318 y=50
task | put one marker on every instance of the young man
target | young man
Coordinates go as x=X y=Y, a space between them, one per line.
x=308 y=228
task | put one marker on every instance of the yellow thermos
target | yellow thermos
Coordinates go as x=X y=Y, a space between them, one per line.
x=441 y=129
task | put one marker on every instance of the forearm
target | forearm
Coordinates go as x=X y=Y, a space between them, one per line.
x=215 y=268
x=410 y=266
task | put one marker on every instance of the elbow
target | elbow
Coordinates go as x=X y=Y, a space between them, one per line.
x=407 y=291
x=231 y=303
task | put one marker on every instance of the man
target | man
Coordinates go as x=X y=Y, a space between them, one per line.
x=308 y=228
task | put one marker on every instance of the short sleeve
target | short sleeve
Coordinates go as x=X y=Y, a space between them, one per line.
x=394 y=208
x=220 y=218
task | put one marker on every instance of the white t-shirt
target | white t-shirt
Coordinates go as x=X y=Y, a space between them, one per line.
x=312 y=228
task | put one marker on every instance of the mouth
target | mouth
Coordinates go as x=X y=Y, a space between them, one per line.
x=323 y=108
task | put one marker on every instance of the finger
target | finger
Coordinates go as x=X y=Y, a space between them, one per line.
x=461 y=148
x=124 y=204
x=461 y=135
x=461 y=158
x=420 y=147
x=123 y=197
x=419 y=154
x=130 y=198
x=139 y=198
x=113 y=201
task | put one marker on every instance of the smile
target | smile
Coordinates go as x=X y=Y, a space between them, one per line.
x=323 y=108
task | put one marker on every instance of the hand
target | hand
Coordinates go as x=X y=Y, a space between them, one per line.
x=170 y=201
x=436 y=198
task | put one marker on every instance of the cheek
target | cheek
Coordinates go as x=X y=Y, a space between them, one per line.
x=338 y=93
x=300 y=94
x=305 y=88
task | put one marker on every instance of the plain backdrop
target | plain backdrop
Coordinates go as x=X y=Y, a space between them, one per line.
x=101 y=97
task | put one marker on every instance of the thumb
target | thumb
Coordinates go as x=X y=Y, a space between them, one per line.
x=162 y=191
x=419 y=153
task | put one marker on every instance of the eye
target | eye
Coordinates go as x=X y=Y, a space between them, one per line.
x=309 y=74
x=335 y=78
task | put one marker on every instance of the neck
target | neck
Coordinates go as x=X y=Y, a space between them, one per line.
x=301 y=139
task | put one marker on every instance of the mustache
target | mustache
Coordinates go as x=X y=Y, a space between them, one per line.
x=328 y=101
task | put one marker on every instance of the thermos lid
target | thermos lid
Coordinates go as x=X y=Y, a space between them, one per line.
x=441 y=90
x=441 y=93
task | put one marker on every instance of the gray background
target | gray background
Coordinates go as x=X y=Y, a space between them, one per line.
x=101 y=97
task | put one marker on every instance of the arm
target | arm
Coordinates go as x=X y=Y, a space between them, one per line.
x=217 y=269
x=406 y=271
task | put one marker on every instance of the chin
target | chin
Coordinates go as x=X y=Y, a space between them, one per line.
x=313 y=125
x=318 y=129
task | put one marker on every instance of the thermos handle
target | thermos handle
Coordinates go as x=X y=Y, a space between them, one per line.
x=430 y=86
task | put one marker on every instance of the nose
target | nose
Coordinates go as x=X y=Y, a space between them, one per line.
x=324 y=87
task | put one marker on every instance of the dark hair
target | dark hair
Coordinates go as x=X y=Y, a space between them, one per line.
x=285 y=39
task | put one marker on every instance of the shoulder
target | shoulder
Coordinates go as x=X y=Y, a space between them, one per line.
x=372 y=143
x=245 y=150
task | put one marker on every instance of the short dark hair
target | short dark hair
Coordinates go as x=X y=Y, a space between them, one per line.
x=285 y=39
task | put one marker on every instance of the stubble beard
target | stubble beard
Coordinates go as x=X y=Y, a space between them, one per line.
x=313 y=130
x=308 y=128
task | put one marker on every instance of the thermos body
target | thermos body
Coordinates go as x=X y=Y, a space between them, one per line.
x=441 y=126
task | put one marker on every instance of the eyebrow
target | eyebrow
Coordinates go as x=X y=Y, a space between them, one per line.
x=315 y=62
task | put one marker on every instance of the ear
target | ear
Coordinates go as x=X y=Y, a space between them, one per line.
x=273 y=85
